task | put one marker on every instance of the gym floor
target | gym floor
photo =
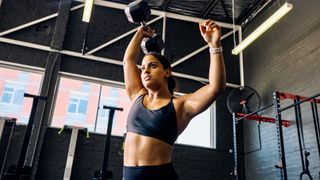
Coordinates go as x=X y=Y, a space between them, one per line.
x=41 y=53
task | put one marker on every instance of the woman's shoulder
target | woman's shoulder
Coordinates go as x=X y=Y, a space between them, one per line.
x=140 y=94
x=180 y=99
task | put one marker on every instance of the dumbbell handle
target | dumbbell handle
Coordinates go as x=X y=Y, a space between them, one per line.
x=143 y=24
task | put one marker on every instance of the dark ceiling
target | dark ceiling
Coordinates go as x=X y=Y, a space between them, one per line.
x=219 y=10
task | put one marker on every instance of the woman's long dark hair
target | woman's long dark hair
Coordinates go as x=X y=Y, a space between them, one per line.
x=166 y=65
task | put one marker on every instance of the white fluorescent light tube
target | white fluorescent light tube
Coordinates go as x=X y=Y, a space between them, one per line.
x=87 y=10
x=263 y=27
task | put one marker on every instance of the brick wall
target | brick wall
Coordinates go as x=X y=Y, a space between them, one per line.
x=285 y=58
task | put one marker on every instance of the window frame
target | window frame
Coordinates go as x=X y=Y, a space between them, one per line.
x=101 y=82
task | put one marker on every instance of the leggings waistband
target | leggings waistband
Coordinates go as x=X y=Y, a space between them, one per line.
x=154 y=172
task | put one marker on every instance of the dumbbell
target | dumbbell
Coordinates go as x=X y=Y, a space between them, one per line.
x=137 y=12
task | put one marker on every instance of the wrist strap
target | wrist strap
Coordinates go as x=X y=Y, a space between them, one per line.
x=215 y=50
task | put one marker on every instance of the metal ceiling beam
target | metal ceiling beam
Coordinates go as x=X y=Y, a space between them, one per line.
x=165 y=5
x=159 y=13
x=259 y=6
x=224 y=8
x=207 y=9
x=36 y=21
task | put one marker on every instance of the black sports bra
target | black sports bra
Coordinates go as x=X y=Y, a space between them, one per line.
x=160 y=124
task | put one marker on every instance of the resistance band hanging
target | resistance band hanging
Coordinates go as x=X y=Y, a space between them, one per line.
x=302 y=147
x=316 y=124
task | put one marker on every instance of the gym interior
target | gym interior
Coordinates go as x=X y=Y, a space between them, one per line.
x=63 y=106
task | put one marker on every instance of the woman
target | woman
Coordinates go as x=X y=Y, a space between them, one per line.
x=156 y=118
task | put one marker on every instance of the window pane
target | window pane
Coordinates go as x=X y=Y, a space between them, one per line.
x=18 y=97
x=85 y=87
x=83 y=107
x=76 y=105
x=72 y=108
x=6 y=97
x=198 y=132
x=116 y=97
x=13 y=84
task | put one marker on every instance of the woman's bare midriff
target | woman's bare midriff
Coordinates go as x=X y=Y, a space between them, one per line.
x=144 y=151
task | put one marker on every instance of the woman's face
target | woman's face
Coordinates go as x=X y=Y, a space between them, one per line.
x=152 y=73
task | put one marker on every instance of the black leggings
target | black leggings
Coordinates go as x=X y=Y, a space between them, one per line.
x=159 y=172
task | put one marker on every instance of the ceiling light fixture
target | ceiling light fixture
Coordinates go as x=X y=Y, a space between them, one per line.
x=263 y=27
x=87 y=10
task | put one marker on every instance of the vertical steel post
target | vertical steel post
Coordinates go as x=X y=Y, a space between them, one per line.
x=235 y=152
x=282 y=160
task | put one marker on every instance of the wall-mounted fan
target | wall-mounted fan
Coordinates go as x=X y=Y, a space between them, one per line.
x=243 y=100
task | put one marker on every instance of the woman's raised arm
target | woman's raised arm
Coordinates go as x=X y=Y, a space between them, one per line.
x=200 y=100
x=131 y=72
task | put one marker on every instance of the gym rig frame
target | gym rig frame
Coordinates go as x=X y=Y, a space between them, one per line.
x=277 y=96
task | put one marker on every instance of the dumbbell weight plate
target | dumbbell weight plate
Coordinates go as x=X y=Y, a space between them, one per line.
x=137 y=11
x=153 y=44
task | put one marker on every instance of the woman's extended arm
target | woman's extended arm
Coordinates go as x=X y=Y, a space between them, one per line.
x=200 y=100
x=131 y=72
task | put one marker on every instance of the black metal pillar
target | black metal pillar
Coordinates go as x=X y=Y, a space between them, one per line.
x=53 y=63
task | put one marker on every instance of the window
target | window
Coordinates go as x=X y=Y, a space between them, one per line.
x=115 y=97
x=80 y=103
x=200 y=131
x=76 y=103
x=86 y=87
x=13 y=85
x=12 y=94
x=7 y=95
x=77 y=106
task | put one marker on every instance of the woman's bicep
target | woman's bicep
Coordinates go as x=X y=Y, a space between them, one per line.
x=132 y=79
x=199 y=101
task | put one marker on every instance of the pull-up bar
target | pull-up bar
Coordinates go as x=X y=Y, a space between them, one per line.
x=254 y=112
x=305 y=99
x=284 y=95
x=285 y=123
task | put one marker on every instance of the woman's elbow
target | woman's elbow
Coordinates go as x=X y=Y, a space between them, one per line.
x=218 y=90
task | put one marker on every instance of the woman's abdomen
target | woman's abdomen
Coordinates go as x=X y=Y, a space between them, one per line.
x=142 y=151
